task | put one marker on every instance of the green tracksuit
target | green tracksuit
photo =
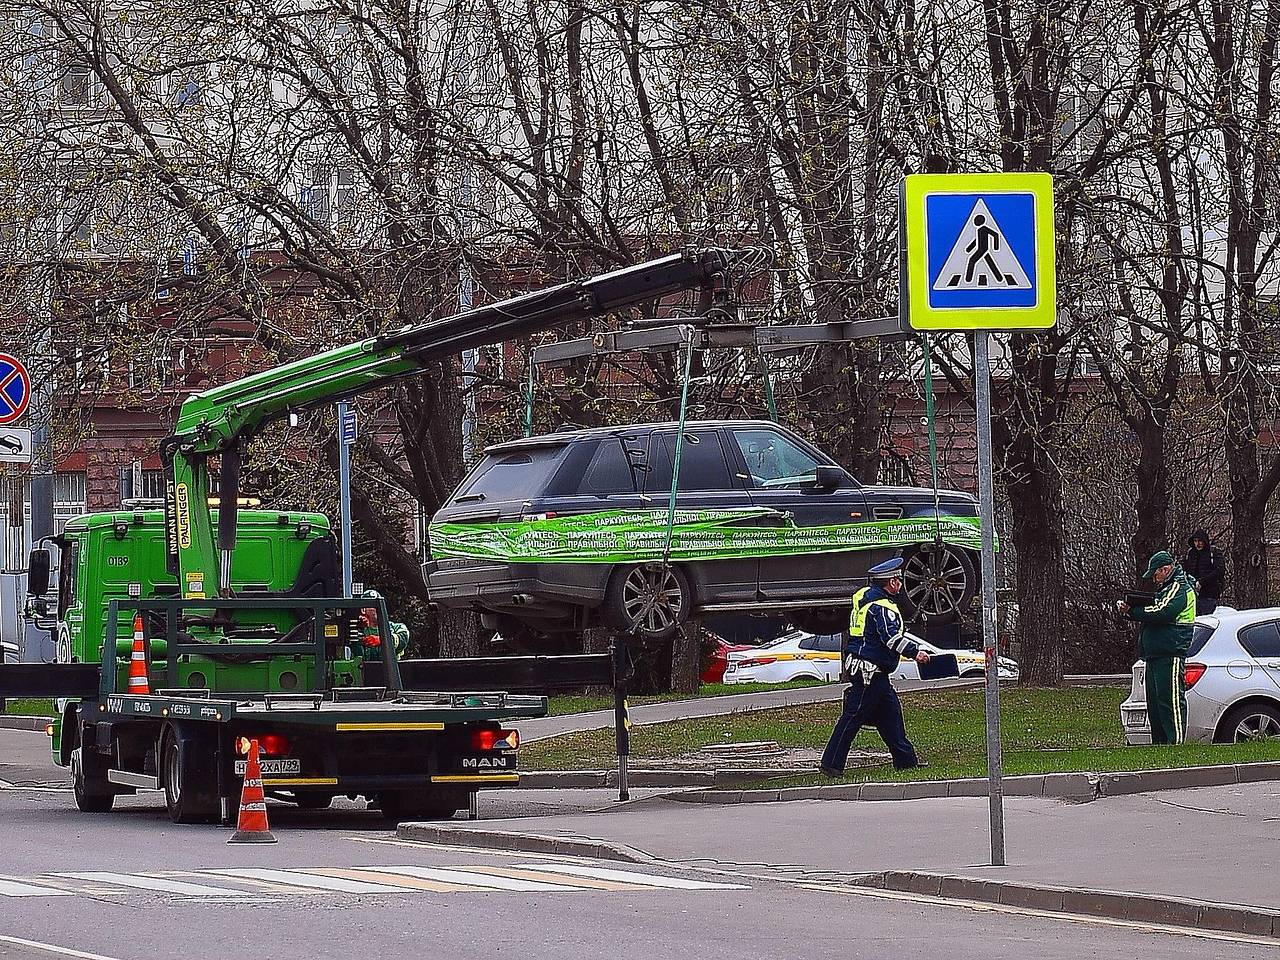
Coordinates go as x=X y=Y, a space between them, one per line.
x=1166 y=635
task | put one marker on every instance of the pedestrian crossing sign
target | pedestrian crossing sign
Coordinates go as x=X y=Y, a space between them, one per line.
x=977 y=251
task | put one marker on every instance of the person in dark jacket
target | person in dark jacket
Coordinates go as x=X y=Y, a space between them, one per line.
x=1166 y=635
x=877 y=642
x=1207 y=569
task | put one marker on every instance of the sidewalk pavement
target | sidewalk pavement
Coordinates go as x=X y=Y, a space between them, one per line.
x=1210 y=843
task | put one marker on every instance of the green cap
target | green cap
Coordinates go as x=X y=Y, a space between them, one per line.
x=1161 y=558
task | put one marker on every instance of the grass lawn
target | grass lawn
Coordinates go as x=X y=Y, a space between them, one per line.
x=560 y=705
x=30 y=707
x=1044 y=731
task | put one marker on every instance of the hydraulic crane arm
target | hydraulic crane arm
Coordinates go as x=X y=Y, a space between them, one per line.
x=221 y=420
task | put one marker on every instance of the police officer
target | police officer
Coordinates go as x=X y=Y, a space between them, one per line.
x=877 y=641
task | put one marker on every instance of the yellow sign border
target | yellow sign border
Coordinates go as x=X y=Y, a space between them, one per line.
x=920 y=315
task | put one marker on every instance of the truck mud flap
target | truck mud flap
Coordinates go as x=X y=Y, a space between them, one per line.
x=75 y=681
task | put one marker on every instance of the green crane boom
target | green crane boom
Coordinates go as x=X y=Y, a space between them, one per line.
x=220 y=421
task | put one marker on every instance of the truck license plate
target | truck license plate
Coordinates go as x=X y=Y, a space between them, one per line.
x=273 y=768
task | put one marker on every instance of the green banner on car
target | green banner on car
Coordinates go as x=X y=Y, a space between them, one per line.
x=629 y=536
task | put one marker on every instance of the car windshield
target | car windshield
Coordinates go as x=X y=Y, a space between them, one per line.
x=510 y=475
x=774 y=461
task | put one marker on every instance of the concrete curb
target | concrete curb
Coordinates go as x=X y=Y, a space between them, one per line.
x=14 y=721
x=521 y=842
x=1111 y=904
x=1078 y=787
x=595 y=779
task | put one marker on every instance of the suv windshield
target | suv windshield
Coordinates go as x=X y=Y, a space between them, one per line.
x=773 y=461
x=510 y=475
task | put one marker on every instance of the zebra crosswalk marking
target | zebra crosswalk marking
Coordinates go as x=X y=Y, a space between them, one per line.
x=589 y=883
x=298 y=878
x=374 y=875
x=450 y=875
x=143 y=882
x=15 y=888
x=627 y=876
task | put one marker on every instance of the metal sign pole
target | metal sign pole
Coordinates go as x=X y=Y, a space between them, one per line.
x=345 y=439
x=986 y=511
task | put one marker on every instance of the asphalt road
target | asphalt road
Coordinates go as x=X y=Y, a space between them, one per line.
x=132 y=886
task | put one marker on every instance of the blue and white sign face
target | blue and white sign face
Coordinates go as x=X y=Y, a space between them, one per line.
x=982 y=249
x=978 y=251
x=349 y=427
x=15 y=388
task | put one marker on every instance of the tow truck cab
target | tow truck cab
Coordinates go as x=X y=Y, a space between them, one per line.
x=120 y=555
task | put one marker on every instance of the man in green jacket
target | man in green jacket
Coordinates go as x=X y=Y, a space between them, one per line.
x=1166 y=635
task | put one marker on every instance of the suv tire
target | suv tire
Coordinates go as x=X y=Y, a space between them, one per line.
x=631 y=586
x=940 y=581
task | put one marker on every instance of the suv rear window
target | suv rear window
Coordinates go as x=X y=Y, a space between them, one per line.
x=513 y=475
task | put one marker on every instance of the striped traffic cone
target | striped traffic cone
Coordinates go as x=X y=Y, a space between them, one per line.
x=251 y=826
x=138 y=681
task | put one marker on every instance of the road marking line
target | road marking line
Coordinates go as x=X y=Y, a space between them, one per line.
x=14 y=888
x=547 y=877
x=143 y=882
x=299 y=878
x=477 y=879
x=375 y=875
x=627 y=876
x=458 y=848
x=979 y=906
x=50 y=948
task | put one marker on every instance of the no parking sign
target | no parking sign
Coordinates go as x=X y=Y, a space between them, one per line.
x=15 y=388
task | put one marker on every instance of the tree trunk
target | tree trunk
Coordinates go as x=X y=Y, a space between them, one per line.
x=1152 y=504
x=686 y=659
x=1038 y=540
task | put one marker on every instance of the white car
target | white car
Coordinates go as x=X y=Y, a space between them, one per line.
x=805 y=656
x=1232 y=675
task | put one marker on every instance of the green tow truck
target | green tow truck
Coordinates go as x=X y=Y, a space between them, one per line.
x=245 y=631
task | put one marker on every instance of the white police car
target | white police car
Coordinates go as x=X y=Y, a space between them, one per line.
x=805 y=656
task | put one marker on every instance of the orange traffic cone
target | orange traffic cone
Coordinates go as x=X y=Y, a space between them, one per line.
x=138 y=682
x=251 y=826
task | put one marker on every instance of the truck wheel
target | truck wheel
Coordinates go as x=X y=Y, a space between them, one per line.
x=628 y=594
x=190 y=783
x=398 y=805
x=93 y=793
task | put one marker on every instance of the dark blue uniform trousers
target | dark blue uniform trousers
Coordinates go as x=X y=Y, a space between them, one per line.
x=873 y=703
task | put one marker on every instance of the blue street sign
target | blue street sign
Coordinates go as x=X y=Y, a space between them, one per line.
x=348 y=427
x=15 y=388
x=978 y=251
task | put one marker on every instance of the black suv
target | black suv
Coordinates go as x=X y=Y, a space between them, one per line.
x=560 y=532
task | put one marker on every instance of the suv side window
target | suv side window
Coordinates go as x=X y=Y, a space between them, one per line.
x=831 y=642
x=773 y=461
x=702 y=462
x=1261 y=640
x=609 y=471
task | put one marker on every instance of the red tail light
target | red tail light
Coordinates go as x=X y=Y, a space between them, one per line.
x=1192 y=672
x=495 y=740
x=269 y=745
x=757 y=661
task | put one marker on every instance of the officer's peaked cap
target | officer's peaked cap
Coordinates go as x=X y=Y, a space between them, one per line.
x=887 y=570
